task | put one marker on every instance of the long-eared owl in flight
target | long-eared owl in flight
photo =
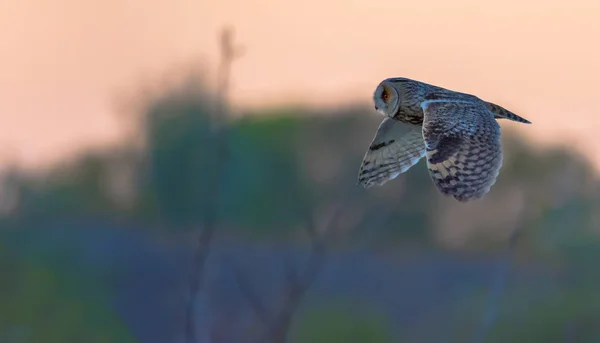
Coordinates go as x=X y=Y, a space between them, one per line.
x=457 y=132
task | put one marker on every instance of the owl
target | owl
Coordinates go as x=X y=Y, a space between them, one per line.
x=456 y=132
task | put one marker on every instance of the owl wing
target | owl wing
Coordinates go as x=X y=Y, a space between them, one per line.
x=395 y=148
x=462 y=141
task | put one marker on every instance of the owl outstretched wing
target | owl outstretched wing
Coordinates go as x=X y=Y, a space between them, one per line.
x=463 y=148
x=395 y=148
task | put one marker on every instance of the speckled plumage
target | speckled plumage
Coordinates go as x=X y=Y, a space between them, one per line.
x=457 y=132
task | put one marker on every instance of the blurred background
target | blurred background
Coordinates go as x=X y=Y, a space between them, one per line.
x=185 y=171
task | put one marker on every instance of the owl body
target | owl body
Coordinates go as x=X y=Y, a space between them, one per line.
x=457 y=132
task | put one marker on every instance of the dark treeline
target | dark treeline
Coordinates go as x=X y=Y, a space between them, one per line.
x=286 y=168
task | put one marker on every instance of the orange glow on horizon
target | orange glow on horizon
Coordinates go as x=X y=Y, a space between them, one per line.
x=64 y=62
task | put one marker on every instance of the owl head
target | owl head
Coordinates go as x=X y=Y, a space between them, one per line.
x=386 y=98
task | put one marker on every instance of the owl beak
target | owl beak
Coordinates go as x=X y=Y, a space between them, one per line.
x=376 y=109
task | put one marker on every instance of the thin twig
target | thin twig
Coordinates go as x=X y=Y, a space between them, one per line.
x=498 y=285
x=249 y=292
x=299 y=282
x=228 y=54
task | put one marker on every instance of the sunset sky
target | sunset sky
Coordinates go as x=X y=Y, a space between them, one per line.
x=65 y=63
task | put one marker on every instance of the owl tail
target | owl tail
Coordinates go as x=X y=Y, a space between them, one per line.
x=502 y=113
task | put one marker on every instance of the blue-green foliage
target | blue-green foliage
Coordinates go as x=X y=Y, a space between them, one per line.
x=264 y=186
x=178 y=163
x=43 y=300
x=330 y=324
x=572 y=314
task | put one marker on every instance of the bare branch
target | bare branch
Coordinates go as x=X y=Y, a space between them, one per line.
x=299 y=282
x=332 y=228
x=249 y=292
x=498 y=284
x=209 y=223
x=290 y=271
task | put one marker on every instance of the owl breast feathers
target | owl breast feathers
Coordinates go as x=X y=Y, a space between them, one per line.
x=457 y=132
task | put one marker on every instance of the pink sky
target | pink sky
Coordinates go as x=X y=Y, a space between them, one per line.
x=65 y=62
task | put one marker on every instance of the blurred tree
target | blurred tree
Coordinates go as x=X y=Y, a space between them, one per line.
x=266 y=191
x=571 y=315
x=43 y=304
x=290 y=159
x=75 y=189
x=180 y=158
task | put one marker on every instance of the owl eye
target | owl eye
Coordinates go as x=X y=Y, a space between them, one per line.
x=385 y=96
